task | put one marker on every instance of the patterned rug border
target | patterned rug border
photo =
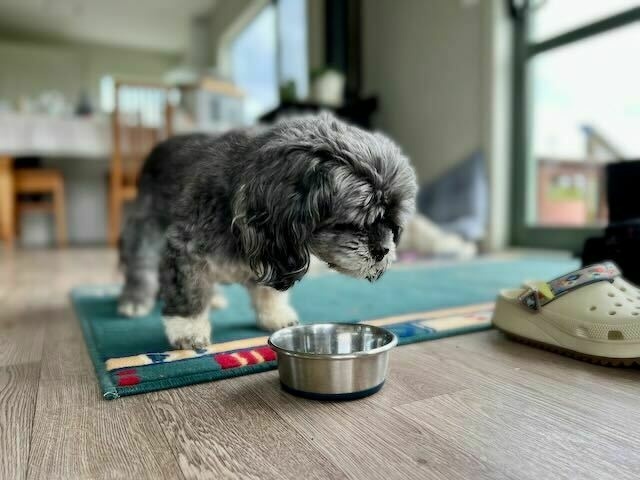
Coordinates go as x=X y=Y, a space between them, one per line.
x=147 y=372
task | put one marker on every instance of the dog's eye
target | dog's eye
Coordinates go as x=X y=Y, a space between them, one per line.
x=346 y=227
x=396 y=231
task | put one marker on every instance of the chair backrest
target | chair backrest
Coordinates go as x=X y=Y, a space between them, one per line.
x=142 y=117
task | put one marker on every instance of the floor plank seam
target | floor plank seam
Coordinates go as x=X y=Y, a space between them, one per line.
x=548 y=374
x=302 y=436
x=168 y=442
x=37 y=399
x=447 y=440
x=440 y=395
x=33 y=417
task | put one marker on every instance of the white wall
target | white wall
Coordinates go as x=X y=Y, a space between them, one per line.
x=30 y=67
x=422 y=58
x=432 y=63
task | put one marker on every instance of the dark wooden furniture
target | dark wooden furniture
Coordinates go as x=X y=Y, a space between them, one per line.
x=358 y=112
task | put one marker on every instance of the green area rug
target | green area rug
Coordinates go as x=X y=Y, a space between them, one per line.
x=417 y=303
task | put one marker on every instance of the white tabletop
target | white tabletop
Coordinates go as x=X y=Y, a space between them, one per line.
x=43 y=135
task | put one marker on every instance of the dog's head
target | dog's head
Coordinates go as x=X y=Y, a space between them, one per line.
x=317 y=185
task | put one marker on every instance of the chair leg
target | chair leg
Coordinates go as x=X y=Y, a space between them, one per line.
x=59 y=211
x=7 y=201
x=115 y=215
x=17 y=215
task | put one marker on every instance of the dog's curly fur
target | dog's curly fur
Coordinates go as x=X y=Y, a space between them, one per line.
x=251 y=206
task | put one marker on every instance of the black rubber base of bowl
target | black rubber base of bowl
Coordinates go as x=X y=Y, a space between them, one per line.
x=332 y=397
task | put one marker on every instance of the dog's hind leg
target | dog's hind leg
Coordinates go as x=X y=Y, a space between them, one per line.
x=272 y=308
x=186 y=289
x=141 y=243
x=218 y=300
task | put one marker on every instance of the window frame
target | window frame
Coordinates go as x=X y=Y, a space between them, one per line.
x=522 y=234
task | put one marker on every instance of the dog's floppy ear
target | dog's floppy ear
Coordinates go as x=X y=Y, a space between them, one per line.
x=276 y=211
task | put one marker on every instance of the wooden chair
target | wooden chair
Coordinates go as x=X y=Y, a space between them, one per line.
x=49 y=182
x=142 y=117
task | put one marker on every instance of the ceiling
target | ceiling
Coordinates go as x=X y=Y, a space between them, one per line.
x=148 y=24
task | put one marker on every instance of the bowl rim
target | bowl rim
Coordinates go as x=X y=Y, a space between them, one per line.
x=335 y=356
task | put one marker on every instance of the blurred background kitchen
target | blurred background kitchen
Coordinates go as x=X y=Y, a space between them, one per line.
x=509 y=109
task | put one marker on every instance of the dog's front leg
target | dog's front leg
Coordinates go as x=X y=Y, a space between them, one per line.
x=186 y=290
x=272 y=308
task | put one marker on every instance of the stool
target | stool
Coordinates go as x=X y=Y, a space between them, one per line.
x=47 y=182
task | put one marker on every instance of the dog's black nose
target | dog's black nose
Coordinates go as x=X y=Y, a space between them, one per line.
x=378 y=253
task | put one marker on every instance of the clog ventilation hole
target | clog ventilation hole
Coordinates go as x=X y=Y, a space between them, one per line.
x=628 y=294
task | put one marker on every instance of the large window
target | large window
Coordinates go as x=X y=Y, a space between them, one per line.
x=292 y=41
x=269 y=56
x=577 y=107
x=253 y=63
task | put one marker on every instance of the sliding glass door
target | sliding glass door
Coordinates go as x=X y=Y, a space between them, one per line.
x=576 y=108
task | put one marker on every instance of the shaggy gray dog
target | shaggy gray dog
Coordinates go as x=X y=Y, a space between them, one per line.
x=251 y=206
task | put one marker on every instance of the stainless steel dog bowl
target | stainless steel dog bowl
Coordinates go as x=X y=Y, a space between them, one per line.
x=333 y=361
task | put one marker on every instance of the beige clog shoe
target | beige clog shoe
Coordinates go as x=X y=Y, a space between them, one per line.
x=592 y=314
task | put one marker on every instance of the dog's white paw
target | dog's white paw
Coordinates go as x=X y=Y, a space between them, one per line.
x=277 y=316
x=135 y=308
x=219 y=301
x=188 y=333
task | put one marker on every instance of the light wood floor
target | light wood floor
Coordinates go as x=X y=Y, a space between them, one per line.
x=476 y=406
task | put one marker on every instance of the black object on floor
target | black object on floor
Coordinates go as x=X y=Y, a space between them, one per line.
x=623 y=179
x=621 y=239
x=620 y=243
